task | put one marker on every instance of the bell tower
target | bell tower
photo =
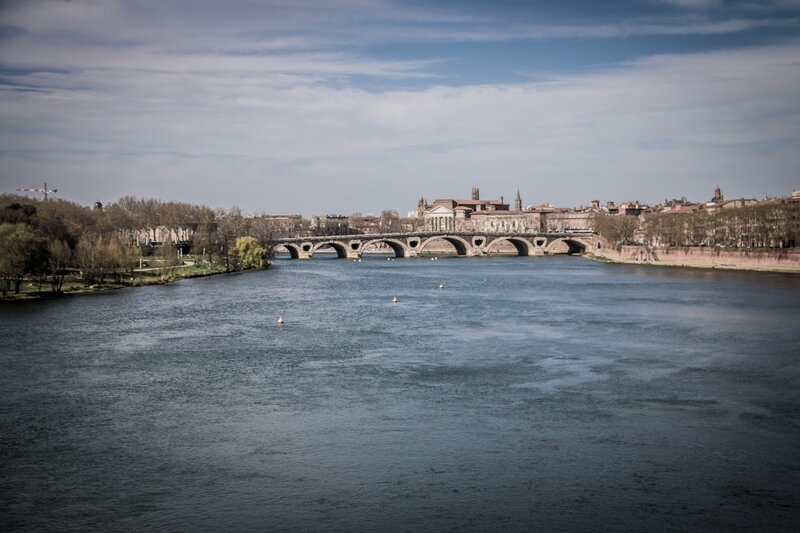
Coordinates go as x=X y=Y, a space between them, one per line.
x=518 y=202
x=476 y=194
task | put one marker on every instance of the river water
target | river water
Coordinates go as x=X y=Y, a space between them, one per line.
x=546 y=394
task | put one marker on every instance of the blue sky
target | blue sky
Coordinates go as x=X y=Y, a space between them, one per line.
x=310 y=106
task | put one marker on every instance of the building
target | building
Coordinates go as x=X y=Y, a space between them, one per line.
x=718 y=202
x=494 y=216
x=329 y=225
x=631 y=208
x=283 y=225
x=518 y=221
x=449 y=214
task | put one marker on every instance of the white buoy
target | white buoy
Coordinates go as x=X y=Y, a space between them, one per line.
x=394 y=300
x=280 y=320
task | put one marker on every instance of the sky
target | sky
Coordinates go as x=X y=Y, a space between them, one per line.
x=337 y=107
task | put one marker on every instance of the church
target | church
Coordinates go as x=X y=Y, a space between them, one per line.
x=476 y=215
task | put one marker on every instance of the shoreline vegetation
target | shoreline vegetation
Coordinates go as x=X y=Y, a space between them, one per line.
x=50 y=247
x=73 y=284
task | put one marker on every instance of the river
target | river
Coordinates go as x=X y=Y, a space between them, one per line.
x=545 y=394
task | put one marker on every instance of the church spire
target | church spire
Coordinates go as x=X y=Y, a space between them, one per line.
x=518 y=202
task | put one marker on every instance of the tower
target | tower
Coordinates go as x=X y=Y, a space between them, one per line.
x=421 y=206
x=476 y=194
x=717 y=195
x=518 y=202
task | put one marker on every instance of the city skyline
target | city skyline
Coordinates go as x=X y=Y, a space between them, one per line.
x=308 y=107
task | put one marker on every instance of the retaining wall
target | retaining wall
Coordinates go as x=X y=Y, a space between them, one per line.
x=775 y=260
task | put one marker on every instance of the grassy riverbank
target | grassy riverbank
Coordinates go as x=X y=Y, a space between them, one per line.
x=152 y=273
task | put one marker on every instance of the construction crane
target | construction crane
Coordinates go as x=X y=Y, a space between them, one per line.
x=44 y=190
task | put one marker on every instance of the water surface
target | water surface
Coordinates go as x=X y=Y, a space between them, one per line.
x=551 y=394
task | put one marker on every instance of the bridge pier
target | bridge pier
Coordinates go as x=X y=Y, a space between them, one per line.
x=305 y=250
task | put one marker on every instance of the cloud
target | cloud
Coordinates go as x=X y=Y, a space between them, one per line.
x=653 y=128
x=245 y=110
x=692 y=4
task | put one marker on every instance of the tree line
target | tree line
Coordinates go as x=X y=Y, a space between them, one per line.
x=771 y=225
x=45 y=241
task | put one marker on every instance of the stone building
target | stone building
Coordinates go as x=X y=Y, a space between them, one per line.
x=494 y=216
x=518 y=221
x=568 y=221
x=455 y=215
x=330 y=225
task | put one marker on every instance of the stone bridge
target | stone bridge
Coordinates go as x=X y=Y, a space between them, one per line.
x=464 y=243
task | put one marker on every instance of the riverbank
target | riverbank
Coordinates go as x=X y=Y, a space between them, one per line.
x=74 y=285
x=757 y=260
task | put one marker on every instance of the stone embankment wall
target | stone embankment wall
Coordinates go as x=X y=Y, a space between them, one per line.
x=774 y=260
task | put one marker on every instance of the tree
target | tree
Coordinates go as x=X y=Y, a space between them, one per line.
x=21 y=252
x=265 y=233
x=60 y=258
x=390 y=221
x=169 y=260
x=249 y=253
x=17 y=213
x=619 y=229
x=230 y=225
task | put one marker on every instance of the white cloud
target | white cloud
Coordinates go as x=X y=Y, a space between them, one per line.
x=272 y=121
x=663 y=126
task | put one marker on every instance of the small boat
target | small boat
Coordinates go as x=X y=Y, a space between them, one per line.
x=280 y=320
x=394 y=300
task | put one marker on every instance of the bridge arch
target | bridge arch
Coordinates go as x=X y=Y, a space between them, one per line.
x=574 y=245
x=293 y=249
x=398 y=247
x=340 y=247
x=522 y=245
x=461 y=245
